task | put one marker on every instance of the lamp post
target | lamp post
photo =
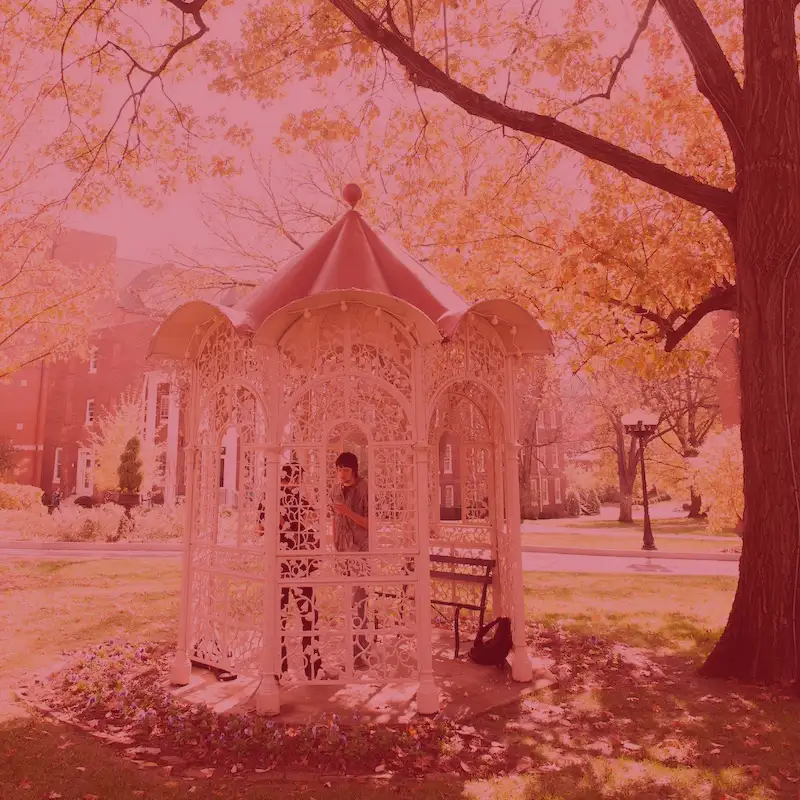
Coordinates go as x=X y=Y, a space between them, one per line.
x=642 y=425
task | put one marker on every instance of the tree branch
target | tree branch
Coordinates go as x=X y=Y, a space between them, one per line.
x=424 y=74
x=719 y=298
x=715 y=78
x=619 y=61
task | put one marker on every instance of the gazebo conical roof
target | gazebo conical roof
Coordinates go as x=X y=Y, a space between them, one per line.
x=349 y=258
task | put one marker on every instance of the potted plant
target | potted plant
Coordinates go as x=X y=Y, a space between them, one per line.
x=130 y=475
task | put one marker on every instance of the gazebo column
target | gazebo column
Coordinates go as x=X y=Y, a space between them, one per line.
x=521 y=667
x=181 y=671
x=428 y=692
x=268 y=700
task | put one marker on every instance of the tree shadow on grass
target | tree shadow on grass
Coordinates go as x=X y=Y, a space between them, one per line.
x=627 y=723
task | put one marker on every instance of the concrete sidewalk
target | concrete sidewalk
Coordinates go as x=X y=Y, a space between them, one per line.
x=175 y=547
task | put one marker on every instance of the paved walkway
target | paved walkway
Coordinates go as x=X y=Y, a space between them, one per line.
x=627 y=565
x=531 y=561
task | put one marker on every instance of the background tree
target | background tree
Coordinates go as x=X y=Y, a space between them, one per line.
x=114 y=428
x=741 y=59
x=720 y=479
x=8 y=457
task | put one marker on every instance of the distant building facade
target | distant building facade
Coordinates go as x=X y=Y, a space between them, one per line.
x=49 y=409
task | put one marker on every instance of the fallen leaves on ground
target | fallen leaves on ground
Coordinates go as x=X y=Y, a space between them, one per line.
x=615 y=708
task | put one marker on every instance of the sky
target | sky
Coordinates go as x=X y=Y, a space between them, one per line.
x=153 y=235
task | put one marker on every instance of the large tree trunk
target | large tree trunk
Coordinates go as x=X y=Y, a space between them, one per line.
x=695 y=504
x=760 y=640
x=626 y=507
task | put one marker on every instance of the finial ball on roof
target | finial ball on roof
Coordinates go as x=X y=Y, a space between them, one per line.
x=352 y=194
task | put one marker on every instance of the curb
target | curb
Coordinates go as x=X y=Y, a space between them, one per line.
x=176 y=547
x=643 y=554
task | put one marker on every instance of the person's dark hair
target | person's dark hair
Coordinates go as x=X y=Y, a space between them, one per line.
x=348 y=460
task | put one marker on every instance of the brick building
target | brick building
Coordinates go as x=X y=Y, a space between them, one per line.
x=49 y=408
x=547 y=481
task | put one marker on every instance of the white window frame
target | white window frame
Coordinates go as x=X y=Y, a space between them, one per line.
x=447 y=461
x=554 y=456
x=544 y=492
x=84 y=483
x=93 y=352
x=90 y=415
x=481 y=461
x=163 y=408
x=558 y=491
x=449 y=496
x=57 y=465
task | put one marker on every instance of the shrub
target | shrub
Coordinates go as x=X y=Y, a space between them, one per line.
x=157 y=524
x=530 y=512
x=572 y=503
x=71 y=524
x=130 y=467
x=610 y=494
x=19 y=497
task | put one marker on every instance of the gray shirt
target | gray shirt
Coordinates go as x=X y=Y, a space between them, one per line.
x=348 y=537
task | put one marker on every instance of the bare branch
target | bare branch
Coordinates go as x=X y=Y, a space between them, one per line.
x=617 y=62
x=424 y=74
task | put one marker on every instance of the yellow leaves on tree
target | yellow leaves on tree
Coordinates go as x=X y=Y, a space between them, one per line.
x=48 y=307
x=115 y=427
x=720 y=479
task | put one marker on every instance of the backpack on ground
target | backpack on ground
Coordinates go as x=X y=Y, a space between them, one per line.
x=494 y=651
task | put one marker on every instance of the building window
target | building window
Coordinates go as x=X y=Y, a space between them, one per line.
x=481 y=461
x=449 y=496
x=85 y=477
x=448 y=459
x=20 y=426
x=57 y=466
x=545 y=492
x=558 y=490
x=92 y=359
x=23 y=382
x=90 y=411
x=554 y=456
x=163 y=408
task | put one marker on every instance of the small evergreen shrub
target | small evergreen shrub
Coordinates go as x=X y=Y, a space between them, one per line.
x=130 y=468
x=572 y=503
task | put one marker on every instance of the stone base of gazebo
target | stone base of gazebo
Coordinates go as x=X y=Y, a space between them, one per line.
x=466 y=690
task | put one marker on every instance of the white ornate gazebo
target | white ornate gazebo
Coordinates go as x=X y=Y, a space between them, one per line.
x=351 y=345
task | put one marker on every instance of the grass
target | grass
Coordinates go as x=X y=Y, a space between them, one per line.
x=622 y=724
x=629 y=540
x=679 y=525
x=677 y=614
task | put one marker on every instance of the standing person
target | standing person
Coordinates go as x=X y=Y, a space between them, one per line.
x=55 y=501
x=296 y=534
x=351 y=535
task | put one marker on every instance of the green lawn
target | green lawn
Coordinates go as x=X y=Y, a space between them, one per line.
x=679 y=525
x=629 y=719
